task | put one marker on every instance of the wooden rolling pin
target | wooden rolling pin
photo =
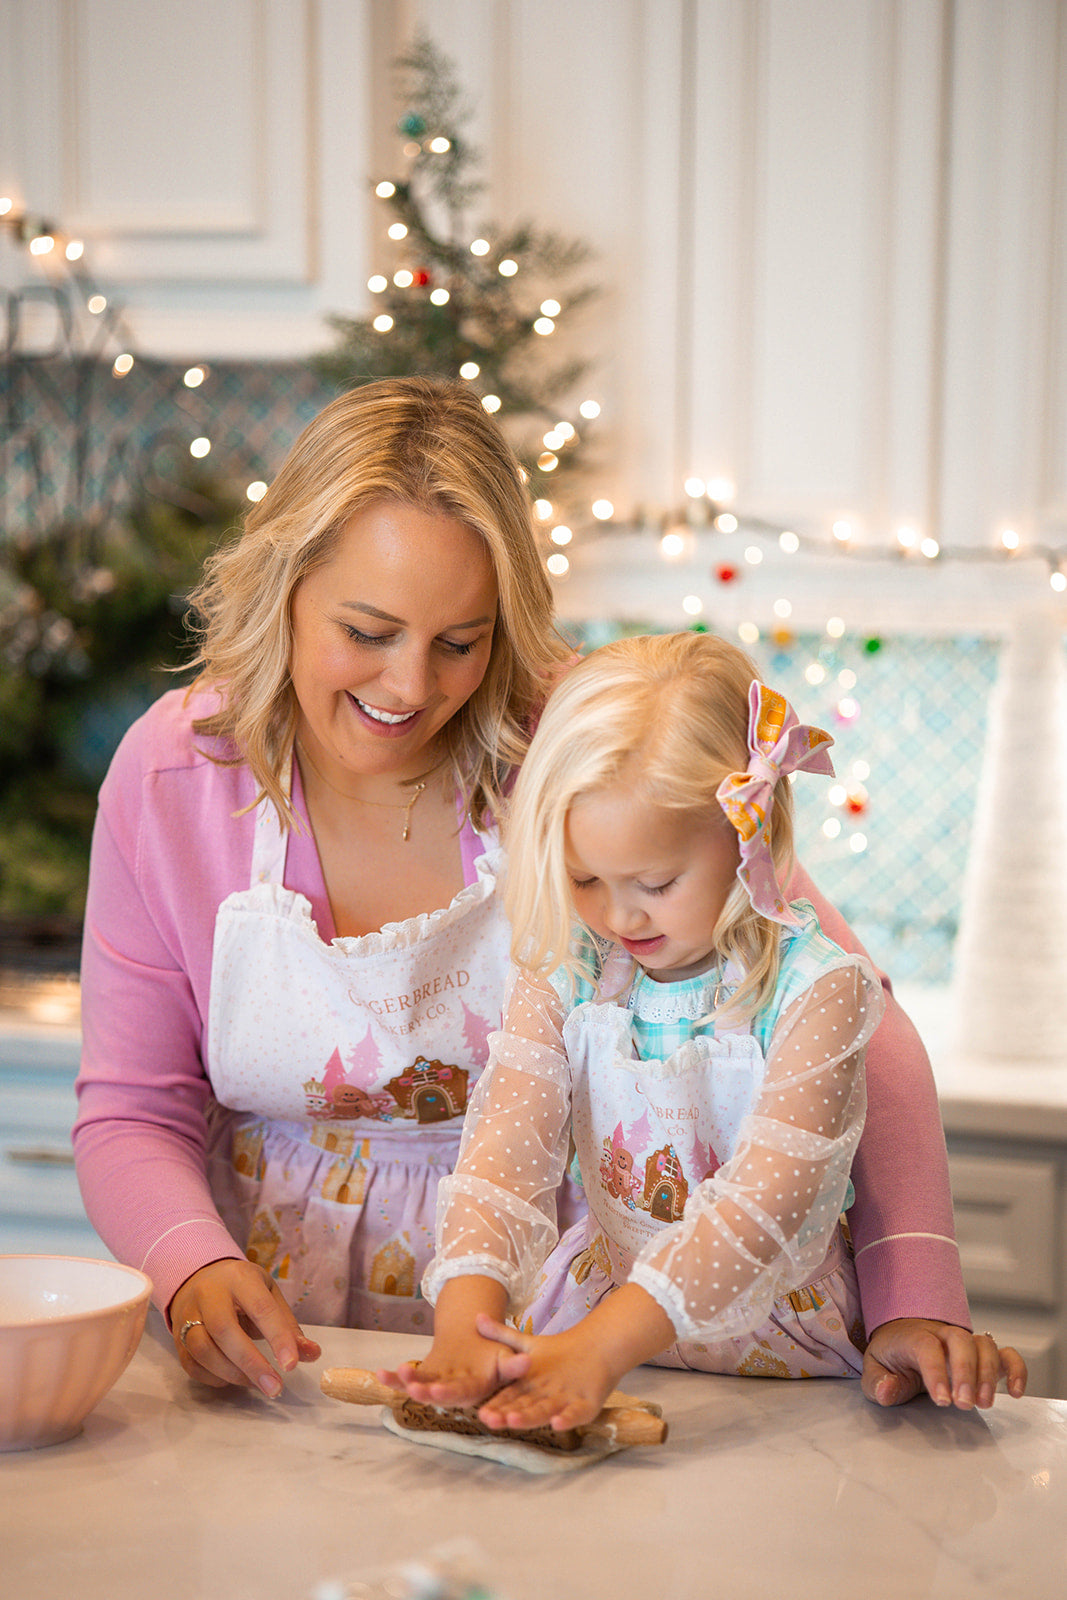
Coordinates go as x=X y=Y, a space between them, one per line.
x=623 y=1421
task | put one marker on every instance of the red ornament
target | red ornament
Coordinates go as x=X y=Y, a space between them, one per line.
x=725 y=573
x=856 y=801
x=422 y=277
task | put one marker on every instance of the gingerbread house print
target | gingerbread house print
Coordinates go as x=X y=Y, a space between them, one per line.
x=393 y=1270
x=430 y=1091
x=345 y=1182
x=247 y=1152
x=666 y=1190
x=339 y=1141
x=264 y=1241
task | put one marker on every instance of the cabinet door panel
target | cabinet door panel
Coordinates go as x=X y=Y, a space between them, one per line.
x=1005 y=1224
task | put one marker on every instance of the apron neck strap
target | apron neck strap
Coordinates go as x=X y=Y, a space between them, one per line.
x=270 y=841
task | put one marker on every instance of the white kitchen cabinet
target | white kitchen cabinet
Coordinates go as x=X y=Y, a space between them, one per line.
x=830 y=235
x=1008 y=1199
x=41 y=1208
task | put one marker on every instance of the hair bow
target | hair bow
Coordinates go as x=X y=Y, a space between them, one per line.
x=778 y=743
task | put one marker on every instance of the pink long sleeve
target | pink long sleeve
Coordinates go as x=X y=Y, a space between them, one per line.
x=902 y=1224
x=166 y=851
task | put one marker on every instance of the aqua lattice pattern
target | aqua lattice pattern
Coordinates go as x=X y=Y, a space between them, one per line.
x=920 y=729
x=77 y=443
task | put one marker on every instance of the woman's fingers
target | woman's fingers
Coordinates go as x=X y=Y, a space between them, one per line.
x=1014 y=1370
x=216 y=1312
x=204 y=1361
x=953 y=1365
x=995 y=1363
x=977 y=1364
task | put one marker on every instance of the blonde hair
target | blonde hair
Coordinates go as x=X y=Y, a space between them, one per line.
x=668 y=714
x=425 y=442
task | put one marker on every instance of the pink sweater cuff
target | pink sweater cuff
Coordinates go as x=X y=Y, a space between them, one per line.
x=183 y=1250
x=911 y=1275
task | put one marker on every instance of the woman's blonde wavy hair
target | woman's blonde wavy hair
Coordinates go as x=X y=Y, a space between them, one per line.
x=666 y=714
x=425 y=442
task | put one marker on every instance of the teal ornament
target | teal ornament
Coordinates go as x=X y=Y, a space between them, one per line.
x=412 y=125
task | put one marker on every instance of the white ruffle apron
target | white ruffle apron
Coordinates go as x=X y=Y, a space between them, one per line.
x=647 y=1133
x=341 y=1074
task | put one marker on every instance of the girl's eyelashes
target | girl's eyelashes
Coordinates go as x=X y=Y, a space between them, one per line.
x=645 y=888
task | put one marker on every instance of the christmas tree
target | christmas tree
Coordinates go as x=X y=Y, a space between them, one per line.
x=479 y=304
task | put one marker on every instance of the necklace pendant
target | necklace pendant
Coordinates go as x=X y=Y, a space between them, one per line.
x=416 y=791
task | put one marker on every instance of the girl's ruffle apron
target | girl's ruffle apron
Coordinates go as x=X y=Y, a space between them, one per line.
x=341 y=1074
x=647 y=1133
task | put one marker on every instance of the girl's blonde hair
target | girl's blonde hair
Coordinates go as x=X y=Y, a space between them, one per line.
x=668 y=715
x=427 y=443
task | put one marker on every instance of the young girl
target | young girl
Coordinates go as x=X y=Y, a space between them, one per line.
x=693 y=1039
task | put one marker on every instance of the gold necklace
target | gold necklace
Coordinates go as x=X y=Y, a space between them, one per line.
x=384 y=805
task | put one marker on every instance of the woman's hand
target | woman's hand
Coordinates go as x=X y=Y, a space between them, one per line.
x=217 y=1313
x=954 y=1367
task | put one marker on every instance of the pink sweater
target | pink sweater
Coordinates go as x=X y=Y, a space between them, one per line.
x=168 y=849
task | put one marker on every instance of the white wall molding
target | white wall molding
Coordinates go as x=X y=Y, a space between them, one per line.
x=830 y=236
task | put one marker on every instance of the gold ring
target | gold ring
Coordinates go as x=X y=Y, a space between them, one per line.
x=190 y=1322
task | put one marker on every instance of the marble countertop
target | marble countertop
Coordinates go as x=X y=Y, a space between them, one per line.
x=763 y=1487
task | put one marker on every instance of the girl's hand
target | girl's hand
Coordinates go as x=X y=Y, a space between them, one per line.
x=462 y=1367
x=953 y=1366
x=461 y=1370
x=214 y=1317
x=565 y=1381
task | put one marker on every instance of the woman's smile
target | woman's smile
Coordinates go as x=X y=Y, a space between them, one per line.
x=384 y=654
x=388 y=719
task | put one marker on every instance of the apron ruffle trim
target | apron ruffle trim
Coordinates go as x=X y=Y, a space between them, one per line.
x=609 y=1023
x=273 y=899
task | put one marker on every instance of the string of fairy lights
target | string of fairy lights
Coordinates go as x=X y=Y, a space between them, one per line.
x=60 y=257
x=703 y=507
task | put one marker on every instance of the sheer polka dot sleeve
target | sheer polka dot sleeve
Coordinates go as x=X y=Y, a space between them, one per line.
x=762 y=1224
x=496 y=1214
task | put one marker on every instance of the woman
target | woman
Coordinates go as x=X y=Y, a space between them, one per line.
x=294 y=950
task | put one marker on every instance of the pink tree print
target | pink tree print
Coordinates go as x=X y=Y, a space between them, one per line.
x=476 y=1033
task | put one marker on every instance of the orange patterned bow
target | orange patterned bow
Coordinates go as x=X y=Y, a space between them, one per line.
x=778 y=744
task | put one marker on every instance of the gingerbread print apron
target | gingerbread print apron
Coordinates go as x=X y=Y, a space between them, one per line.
x=647 y=1133
x=341 y=1074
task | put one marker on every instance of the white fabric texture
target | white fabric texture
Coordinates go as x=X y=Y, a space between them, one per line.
x=758 y=1227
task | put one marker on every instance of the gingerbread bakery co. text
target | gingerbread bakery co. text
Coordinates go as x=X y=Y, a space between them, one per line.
x=429 y=998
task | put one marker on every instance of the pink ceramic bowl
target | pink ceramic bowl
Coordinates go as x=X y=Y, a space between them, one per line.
x=68 y=1329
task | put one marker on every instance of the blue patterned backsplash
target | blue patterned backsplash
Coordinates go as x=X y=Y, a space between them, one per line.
x=917 y=729
x=74 y=438
x=76 y=442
